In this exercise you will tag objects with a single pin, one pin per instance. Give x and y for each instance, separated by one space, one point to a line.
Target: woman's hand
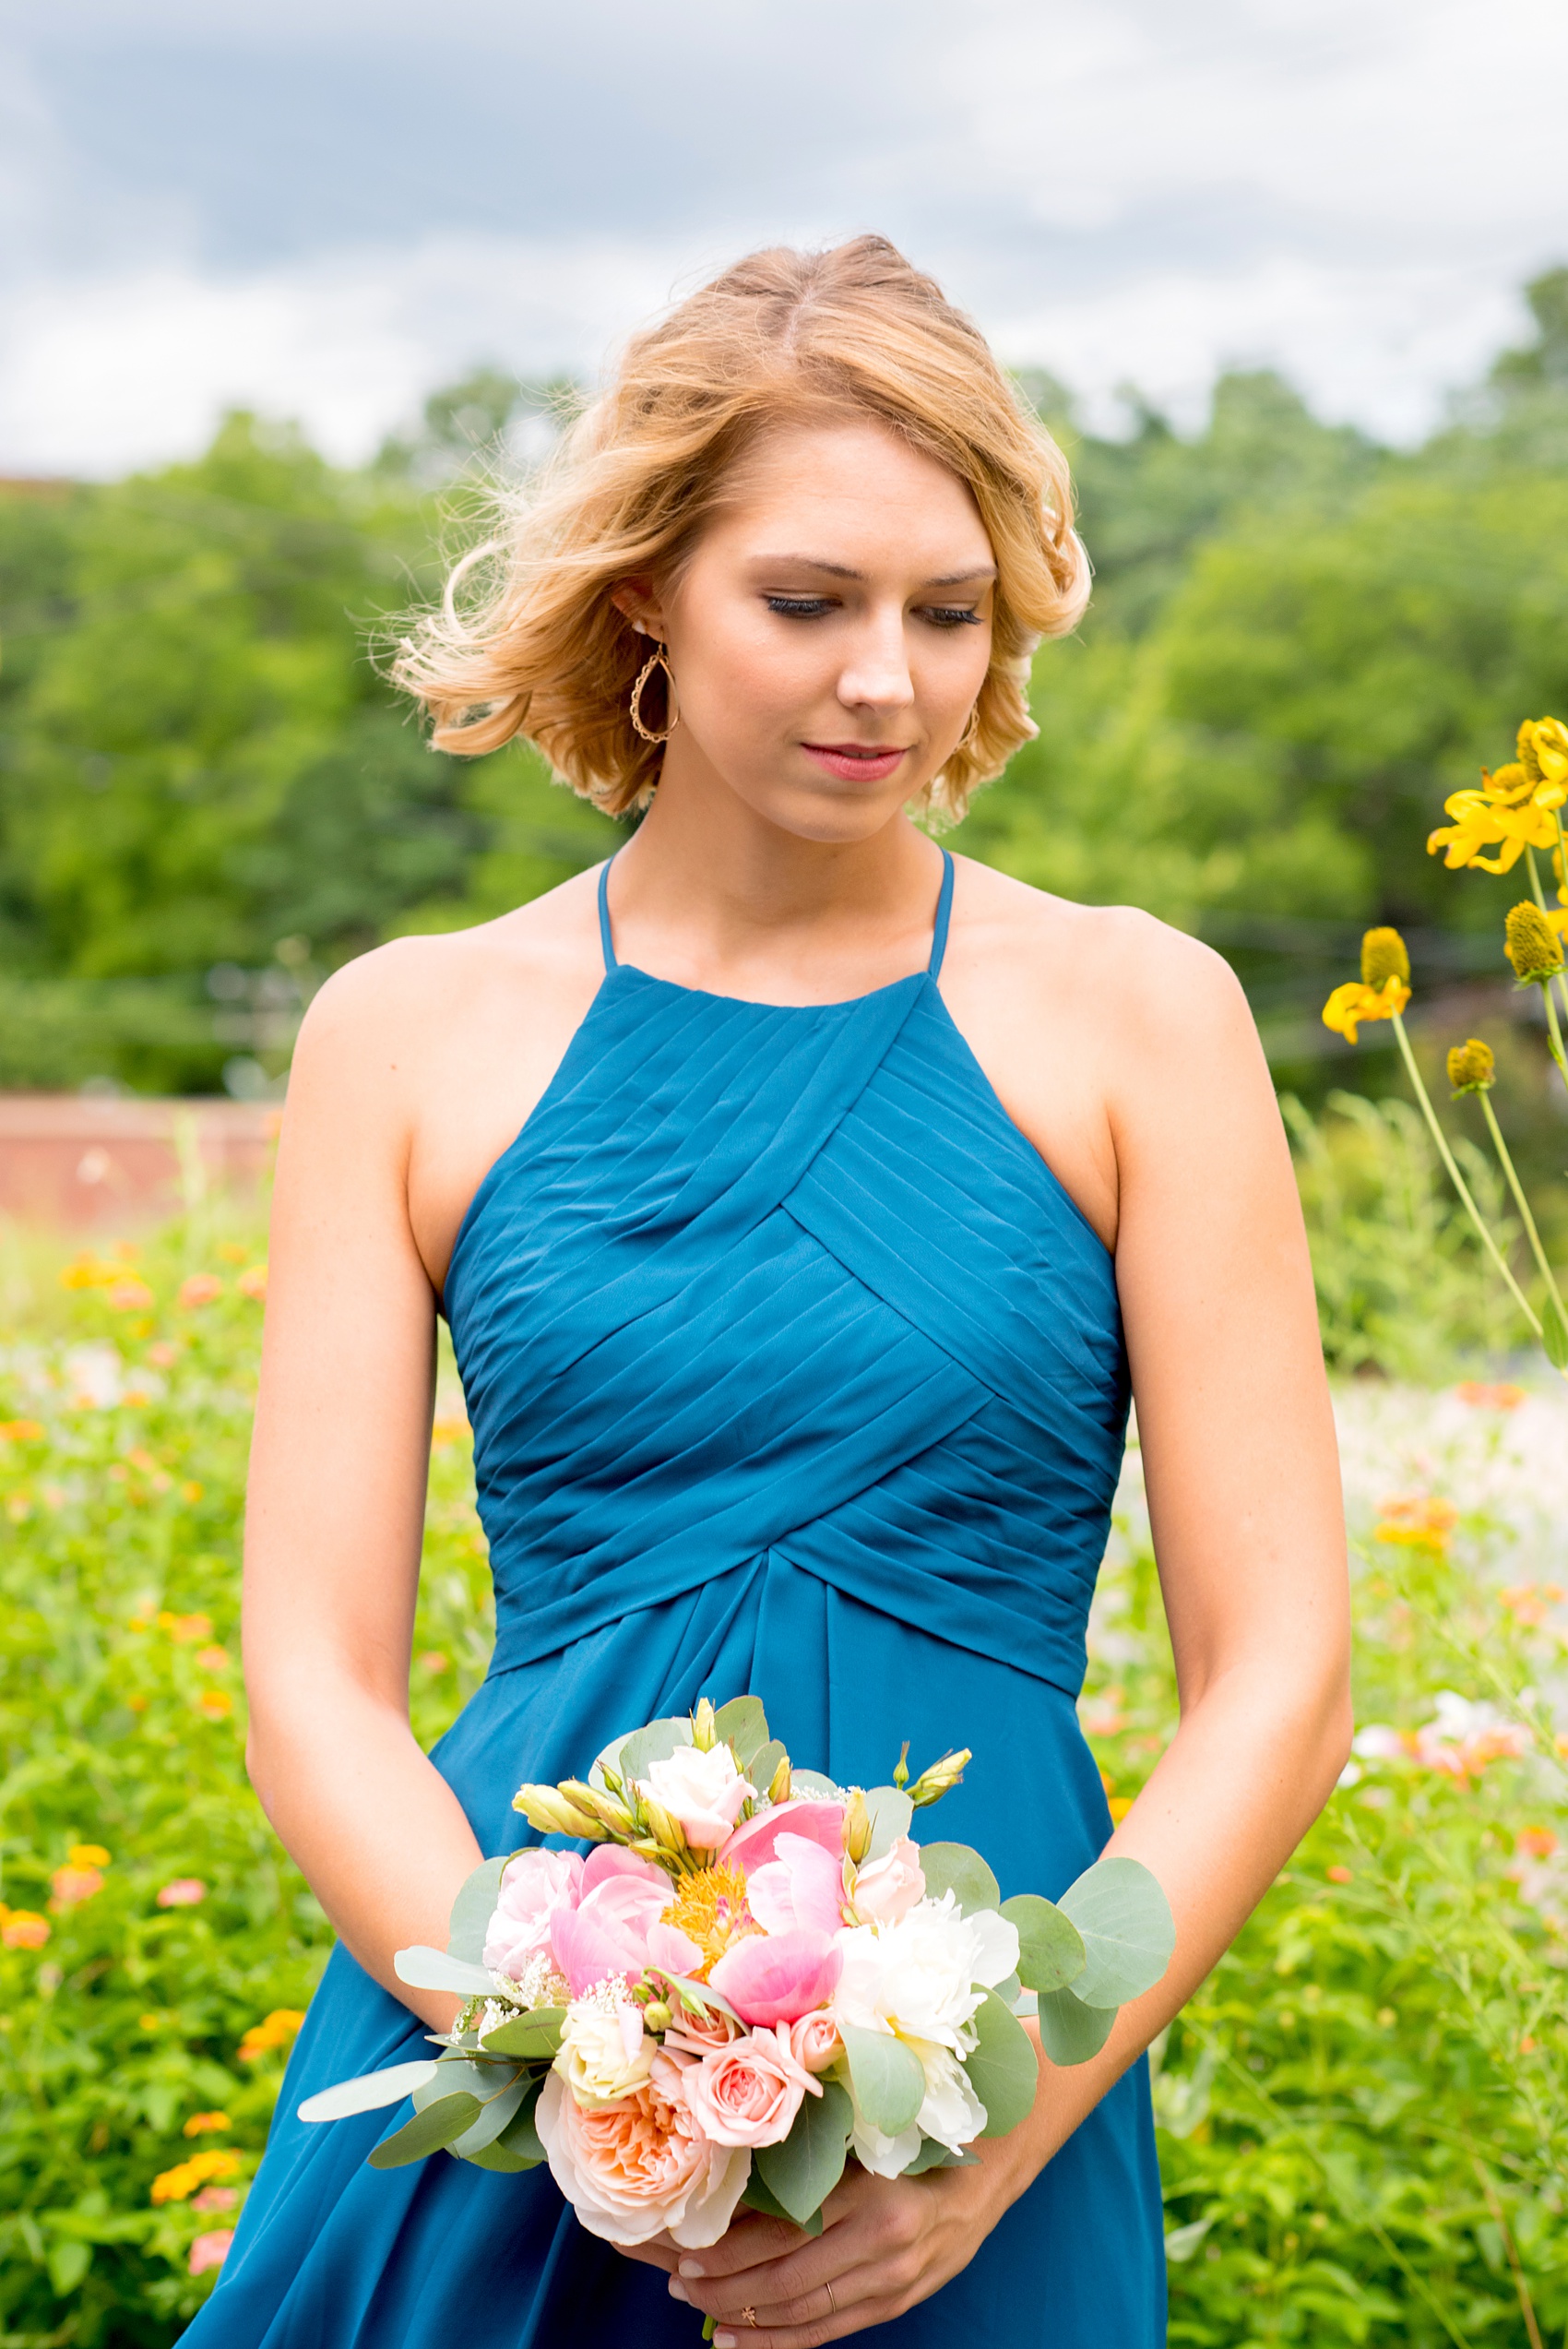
885 2244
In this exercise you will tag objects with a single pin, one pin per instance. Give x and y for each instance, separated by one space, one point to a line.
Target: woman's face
830 632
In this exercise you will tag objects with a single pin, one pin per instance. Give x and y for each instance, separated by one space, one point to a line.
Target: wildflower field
1364 2112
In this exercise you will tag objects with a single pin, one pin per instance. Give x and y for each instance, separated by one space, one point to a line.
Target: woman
799 1198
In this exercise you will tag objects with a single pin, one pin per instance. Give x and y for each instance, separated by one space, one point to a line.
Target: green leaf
536 2036
802 2171
702 1996
467 2075
933 2156
425 1969
891 1811
501 2157
1050 1948
763 1764
495 2116
520 2138
887 2078
426 2133
1554 1333
472 1909
1127 1928
743 1727
954 1867
1002 2067
373 2088
755 2197
1069 2032
68 2262
812 1782
656 1742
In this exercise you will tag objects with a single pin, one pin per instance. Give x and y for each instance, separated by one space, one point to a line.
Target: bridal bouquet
755 1976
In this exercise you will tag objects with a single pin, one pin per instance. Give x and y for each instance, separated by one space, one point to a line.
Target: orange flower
1486 1396
1415 1521
253 1282
206 2124
1339 1873
21 1431
71 1885
129 1295
277 2030
200 1289
433 1662
23 1929
1539 1842
209 2251
185 1630
180 2183
212 1658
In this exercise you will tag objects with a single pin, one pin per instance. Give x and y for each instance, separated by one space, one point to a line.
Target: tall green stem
1471 1209
1539 895
1556 1318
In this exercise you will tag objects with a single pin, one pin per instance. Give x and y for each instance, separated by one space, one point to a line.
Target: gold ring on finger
832 2303
748 2315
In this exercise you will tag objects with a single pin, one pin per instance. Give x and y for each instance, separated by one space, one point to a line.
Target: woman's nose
876 676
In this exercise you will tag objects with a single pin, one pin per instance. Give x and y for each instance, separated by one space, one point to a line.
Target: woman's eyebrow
984 572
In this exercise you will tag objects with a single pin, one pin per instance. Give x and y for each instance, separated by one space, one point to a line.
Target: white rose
605 2053
924 1975
884 2156
704 1791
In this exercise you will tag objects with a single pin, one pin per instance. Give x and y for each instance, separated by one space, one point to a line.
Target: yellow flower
23 1929
88 1855
277 2030
204 2124
1533 943
1543 755
180 2183
1384 956
1508 813
215 1703
1471 1067
1354 1002
711 1907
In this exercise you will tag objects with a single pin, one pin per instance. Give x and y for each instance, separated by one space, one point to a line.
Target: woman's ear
637 600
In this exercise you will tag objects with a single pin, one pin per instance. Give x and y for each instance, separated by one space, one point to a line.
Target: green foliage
122 1460
1363 2111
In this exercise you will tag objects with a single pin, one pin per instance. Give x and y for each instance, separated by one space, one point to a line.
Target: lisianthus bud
609 1809
857 1826
1532 944
664 1827
779 1785
1384 955
546 1808
940 1779
1471 1069
656 2015
704 1734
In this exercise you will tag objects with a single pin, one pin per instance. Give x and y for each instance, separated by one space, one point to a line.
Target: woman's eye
943 615
799 607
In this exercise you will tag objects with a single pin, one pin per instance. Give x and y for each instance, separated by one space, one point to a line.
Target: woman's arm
1244 1485
339 1467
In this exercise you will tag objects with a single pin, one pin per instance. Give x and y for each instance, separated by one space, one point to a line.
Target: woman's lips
851 764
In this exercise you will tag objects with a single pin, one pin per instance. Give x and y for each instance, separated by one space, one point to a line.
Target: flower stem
1539 895
1523 1204
1441 1138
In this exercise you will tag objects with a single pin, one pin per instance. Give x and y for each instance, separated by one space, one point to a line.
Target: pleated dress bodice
759 1278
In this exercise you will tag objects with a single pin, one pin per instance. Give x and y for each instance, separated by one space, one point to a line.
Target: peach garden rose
643 2166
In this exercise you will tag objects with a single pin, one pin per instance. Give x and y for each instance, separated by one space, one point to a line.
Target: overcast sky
325 208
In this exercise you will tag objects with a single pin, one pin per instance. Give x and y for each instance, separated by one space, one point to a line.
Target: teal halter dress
792 1368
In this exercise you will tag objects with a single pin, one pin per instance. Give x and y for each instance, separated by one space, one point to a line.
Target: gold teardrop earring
657 659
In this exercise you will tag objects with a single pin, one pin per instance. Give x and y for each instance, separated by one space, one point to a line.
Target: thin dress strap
943 912
606 941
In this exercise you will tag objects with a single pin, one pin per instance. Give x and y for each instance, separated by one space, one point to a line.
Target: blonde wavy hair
527 641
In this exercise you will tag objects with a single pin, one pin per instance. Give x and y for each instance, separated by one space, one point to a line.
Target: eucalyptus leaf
472 1909
764 1763
1002 2067
1069 2032
1050 1948
462 2075
935 2155
1127 1929
741 1725
535 2037
954 1867
501 2157
425 1969
426 2133
891 1811
655 1743
520 2138
802 2171
813 1784
493 2119
887 2078
371 2090
755 2197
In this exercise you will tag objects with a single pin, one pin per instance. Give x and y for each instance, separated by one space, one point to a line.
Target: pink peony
607 1932
752 1844
635 2169
533 1886
776 1977
210 2250
703 1790
887 1888
814 2042
673 1951
749 2092
801 1885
